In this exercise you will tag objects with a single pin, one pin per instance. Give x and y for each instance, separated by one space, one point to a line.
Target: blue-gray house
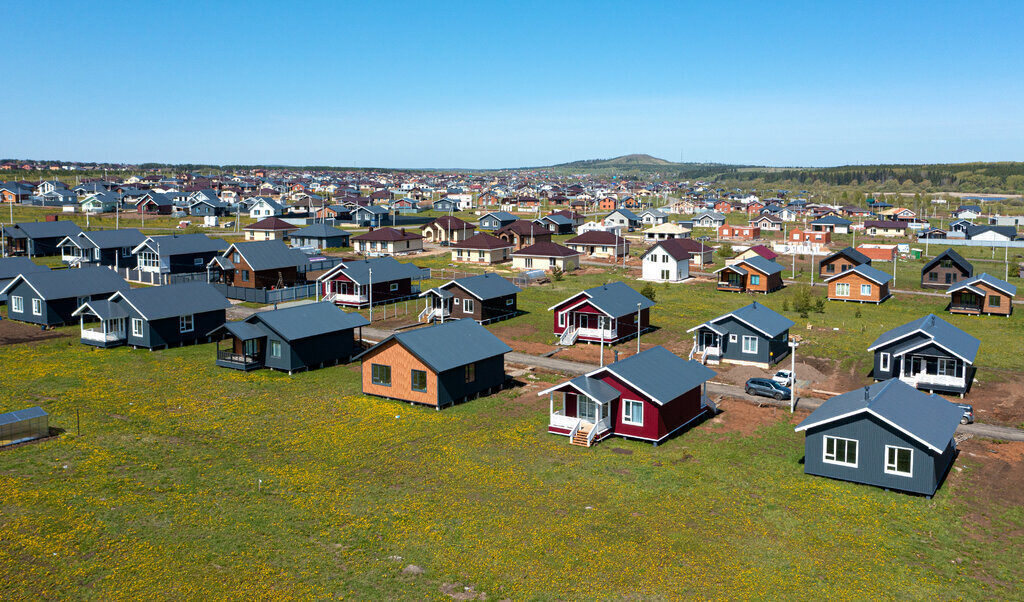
928 353
293 338
753 335
887 435
50 298
153 317
496 220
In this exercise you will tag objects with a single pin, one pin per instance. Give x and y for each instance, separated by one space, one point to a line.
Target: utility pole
600 326
370 286
792 370
638 327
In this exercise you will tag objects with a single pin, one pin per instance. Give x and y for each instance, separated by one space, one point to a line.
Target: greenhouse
23 425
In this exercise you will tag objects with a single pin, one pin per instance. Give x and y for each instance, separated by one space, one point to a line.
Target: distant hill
623 161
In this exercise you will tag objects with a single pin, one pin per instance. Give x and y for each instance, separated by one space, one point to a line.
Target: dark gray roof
555 219
102 309
831 220
183 244
12 266
761 318
626 213
319 231
19 415
485 286
871 273
311 319
595 389
659 373
384 269
940 331
927 418
158 302
57 229
617 299
110 239
1007 231
243 331
765 266
953 256
992 281
65 284
504 216
850 253
268 255
449 345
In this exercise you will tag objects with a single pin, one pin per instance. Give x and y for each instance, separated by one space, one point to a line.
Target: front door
251 347
707 339
587 410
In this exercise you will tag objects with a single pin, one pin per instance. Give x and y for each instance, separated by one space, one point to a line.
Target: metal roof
57 229
182 244
659 373
850 253
617 299
384 269
102 309
64 284
20 415
953 256
765 266
449 345
940 331
171 300
485 286
832 220
871 273
930 419
310 319
598 390
992 281
761 318
320 231
268 255
501 215
110 239
12 266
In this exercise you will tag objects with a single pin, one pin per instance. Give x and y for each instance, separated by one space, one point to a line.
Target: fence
963 242
266 296
156 278
527 278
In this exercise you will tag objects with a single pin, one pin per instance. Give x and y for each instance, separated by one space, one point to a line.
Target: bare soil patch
997 403
12 332
739 416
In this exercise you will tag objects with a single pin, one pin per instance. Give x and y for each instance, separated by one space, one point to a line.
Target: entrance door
587 409
707 339
251 347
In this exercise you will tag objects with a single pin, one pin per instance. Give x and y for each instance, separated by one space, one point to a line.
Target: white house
653 217
666 261
261 207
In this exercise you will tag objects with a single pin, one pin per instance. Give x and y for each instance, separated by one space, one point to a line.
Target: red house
609 313
649 396
808 236
739 232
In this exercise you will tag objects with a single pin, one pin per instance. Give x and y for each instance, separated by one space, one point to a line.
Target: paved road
714 389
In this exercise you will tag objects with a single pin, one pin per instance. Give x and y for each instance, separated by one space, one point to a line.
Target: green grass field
190 481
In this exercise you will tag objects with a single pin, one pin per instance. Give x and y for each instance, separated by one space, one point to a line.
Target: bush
648 291
785 305
725 250
819 305
557 274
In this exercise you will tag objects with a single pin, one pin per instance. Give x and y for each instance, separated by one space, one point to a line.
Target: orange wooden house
861 283
752 274
982 294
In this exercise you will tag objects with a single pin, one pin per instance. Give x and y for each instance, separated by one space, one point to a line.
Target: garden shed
24 425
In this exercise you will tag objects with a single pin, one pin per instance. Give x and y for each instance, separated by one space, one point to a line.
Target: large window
17 304
467 306
749 344
148 260
185 323
993 300
632 411
899 461
37 307
275 348
840 451
419 380
946 367
470 373
380 375
136 327
842 289
755 280
865 290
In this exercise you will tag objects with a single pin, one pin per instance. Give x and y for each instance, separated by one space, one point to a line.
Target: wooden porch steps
580 438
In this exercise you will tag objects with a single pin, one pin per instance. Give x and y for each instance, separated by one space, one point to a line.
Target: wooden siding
985 305
878 292
841 264
402 364
943 277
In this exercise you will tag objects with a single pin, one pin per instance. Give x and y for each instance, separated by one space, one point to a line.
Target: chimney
402 230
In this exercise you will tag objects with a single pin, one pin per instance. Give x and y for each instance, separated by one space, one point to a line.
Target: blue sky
483 85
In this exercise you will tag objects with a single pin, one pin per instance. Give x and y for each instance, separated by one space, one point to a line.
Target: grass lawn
160 497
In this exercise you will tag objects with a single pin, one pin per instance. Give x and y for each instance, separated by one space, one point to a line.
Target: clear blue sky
487 84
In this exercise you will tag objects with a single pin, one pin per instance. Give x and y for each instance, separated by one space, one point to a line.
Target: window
884 361
733 338
749 344
993 300
933 276
946 367
82 301
245 275
470 373
529 262
840 451
842 289
480 254
664 259
510 302
830 268
459 253
185 323
275 348
235 257
899 460
394 287
419 380
664 275
865 290
380 375
136 327
632 411
198 261
552 263
467 306
755 279
561 318
37 307
17 304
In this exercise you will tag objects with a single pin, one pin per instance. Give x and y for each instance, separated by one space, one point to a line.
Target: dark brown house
259 264
523 233
484 298
841 261
947 268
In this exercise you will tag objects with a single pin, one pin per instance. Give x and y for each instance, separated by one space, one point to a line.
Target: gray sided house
928 353
496 220
887 435
947 268
13 266
177 253
50 298
436 365
291 339
753 335
320 236
154 317
102 247
37 239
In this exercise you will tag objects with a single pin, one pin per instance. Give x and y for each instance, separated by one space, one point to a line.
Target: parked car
784 378
766 388
968 417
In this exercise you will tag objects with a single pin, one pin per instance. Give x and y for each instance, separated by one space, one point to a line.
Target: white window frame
629 412
394 287
37 307
884 361
510 301
842 289
17 304
945 367
865 290
197 261
747 338
834 459
561 318
467 306
733 338
136 327
186 323
275 348
891 468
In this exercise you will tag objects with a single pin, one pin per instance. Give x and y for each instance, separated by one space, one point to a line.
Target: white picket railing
569 336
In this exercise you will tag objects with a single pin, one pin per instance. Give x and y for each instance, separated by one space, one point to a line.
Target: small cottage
485 298
861 283
982 294
754 335
946 268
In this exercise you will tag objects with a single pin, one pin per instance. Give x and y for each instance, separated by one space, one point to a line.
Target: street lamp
638 327
792 374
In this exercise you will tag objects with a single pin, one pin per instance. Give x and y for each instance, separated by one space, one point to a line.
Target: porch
932 373
585 416
247 350
591 327
438 305
110 332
